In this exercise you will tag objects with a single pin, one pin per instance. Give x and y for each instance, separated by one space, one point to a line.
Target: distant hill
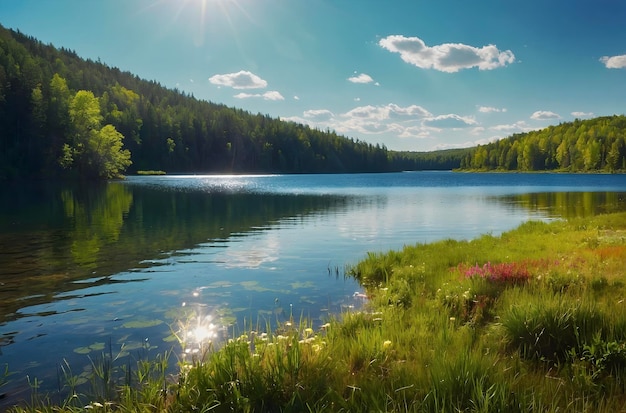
594 145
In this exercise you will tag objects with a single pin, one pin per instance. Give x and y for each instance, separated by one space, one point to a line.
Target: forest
62 116
593 145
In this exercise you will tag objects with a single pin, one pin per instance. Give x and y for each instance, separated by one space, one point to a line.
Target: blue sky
412 75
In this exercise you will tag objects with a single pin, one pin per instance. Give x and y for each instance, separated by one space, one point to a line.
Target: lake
117 268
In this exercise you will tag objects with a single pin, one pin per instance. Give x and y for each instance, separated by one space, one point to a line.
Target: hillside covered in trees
63 116
581 146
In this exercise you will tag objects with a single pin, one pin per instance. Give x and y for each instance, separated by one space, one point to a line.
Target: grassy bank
533 320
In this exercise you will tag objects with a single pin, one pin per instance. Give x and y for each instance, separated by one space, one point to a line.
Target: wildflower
326 325
308 331
386 343
452 318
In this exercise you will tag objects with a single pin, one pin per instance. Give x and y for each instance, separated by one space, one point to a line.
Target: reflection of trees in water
91 232
570 204
97 220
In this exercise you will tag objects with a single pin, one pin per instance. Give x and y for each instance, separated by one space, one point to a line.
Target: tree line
63 116
593 145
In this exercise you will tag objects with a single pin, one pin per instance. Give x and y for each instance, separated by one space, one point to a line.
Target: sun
208 13
203 20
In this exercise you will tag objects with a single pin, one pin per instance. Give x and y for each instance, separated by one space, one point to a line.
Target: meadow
531 320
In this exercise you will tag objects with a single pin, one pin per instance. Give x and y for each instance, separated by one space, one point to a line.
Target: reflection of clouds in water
252 255
380 216
427 213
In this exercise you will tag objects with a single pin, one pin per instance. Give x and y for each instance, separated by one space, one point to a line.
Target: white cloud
477 130
614 62
414 132
582 114
319 115
412 110
519 126
271 95
362 78
490 109
544 115
368 112
240 80
387 112
447 57
450 121
296 98
402 121
393 120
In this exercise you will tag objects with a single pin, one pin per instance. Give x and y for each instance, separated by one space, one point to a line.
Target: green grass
533 320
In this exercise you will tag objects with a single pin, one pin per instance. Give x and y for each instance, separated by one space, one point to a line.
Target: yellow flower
386 343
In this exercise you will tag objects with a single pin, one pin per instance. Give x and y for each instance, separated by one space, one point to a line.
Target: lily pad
142 323
253 286
228 320
171 339
88 349
299 285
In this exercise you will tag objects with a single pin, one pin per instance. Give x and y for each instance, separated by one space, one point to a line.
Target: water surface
116 267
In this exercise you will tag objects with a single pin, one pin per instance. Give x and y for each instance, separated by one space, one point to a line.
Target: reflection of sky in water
267 272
